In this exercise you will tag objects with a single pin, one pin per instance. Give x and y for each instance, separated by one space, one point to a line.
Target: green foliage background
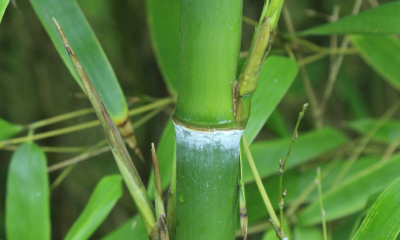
35 84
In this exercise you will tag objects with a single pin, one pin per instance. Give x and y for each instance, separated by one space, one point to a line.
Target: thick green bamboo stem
209 49
207 183
206 132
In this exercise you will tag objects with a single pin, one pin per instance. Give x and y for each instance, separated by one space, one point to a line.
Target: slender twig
147 117
318 109
391 148
334 18
158 104
365 140
324 53
306 81
318 181
373 3
159 202
337 64
51 149
94 151
79 158
299 41
310 187
148 107
282 165
289 51
62 176
120 153
259 183
316 14
60 118
249 21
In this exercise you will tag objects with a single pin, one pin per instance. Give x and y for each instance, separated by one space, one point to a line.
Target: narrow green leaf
295 182
380 20
8 129
120 153
27 196
308 177
101 202
87 49
165 155
354 192
387 133
381 53
276 76
344 228
309 145
131 229
307 233
383 220
270 235
361 215
3 6
353 98
164 31
276 124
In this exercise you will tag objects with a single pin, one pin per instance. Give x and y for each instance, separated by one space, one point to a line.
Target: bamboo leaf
380 20
381 53
92 56
307 233
3 6
353 192
329 180
8 129
277 125
276 76
309 145
387 133
86 47
101 202
270 235
295 183
133 228
164 32
382 221
121 155
27 197
254 203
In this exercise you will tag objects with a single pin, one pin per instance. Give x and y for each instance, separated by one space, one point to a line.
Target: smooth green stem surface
207 183
207 134
209 49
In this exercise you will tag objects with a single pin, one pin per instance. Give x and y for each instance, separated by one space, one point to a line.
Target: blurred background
35 85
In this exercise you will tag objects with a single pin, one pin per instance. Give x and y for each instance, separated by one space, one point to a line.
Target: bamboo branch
121 155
